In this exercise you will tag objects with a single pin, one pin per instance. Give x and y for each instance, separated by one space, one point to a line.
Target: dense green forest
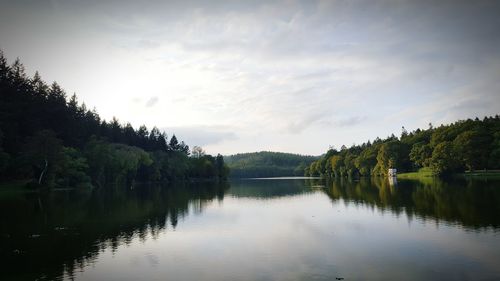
267 164
462 146
57 141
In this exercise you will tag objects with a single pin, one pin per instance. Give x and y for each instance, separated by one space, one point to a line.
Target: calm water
287 229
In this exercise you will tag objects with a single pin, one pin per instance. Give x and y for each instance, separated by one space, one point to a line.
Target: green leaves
444 159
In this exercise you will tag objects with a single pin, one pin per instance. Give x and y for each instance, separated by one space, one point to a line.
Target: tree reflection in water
473 204
46 236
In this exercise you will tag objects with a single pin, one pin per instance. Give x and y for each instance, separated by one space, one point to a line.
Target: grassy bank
482 173
427 173
422 173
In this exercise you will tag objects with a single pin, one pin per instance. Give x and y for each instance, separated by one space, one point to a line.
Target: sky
242 76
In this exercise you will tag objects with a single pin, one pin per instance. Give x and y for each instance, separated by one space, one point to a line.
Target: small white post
392 173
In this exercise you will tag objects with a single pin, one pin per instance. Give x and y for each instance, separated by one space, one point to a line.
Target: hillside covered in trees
267 164
56 141
454 148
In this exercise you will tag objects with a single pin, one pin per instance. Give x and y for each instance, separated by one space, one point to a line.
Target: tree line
465 145
57 141
267 164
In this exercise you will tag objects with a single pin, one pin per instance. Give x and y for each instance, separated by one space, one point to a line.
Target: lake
260 229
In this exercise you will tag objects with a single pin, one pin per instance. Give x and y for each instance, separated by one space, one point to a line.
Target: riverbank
422 173
427 173
482 173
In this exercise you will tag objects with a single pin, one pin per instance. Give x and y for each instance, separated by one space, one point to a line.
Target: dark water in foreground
256 230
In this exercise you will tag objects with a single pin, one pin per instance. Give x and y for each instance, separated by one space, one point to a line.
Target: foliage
42 156
444 158
72 169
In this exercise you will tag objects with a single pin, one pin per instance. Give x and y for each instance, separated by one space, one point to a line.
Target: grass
482 173
422 173
426 173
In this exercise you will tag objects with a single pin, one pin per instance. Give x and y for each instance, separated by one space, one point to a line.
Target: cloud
152 101
349 122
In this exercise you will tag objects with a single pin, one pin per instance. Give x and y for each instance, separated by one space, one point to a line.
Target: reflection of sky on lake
301 237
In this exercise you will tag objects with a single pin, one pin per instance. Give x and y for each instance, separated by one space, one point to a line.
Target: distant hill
268 164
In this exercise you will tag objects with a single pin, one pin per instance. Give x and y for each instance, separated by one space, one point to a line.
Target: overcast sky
240 76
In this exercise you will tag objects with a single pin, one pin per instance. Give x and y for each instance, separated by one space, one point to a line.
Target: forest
465 145
55 141
267 164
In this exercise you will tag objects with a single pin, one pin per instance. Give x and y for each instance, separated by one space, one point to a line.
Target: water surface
287 229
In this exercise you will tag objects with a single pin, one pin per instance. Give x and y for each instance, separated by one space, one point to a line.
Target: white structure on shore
392 173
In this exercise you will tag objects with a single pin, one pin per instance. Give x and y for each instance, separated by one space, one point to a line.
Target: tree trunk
43 171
